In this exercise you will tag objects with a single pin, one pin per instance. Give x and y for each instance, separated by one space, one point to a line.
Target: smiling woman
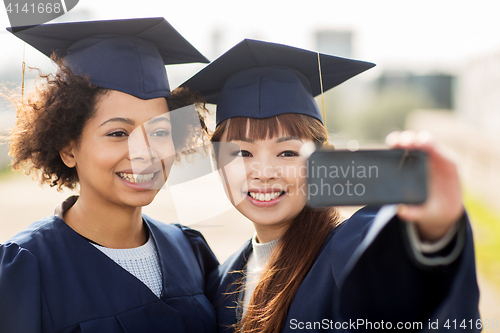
102 161
103 124
270 150
305 268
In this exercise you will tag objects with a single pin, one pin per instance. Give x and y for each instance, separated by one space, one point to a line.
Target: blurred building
335 42
216 42
438 88
472 132
352 96
478 97
368 110
74 15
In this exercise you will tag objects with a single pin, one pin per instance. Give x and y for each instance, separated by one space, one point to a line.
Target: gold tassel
24 67
322 96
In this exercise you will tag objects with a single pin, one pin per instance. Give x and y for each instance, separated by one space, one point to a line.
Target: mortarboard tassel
24 67
322 96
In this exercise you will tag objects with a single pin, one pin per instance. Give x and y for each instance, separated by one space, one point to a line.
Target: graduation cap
259 79
125 55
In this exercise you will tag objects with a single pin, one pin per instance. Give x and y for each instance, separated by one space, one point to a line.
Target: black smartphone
365 177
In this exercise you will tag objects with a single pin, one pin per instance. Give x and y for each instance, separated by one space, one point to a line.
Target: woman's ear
68 156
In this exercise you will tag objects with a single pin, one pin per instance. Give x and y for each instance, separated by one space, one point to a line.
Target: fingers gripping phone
341 178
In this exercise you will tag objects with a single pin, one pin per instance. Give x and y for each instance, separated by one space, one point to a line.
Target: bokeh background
438 69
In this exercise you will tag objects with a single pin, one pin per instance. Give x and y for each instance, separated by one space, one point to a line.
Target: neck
108 225
266 233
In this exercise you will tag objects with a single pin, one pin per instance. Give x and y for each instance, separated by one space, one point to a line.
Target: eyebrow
122 120
288 138
279 140
132 122
157 120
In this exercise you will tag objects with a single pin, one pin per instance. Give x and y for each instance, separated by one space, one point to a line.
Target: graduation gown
366 275
54 280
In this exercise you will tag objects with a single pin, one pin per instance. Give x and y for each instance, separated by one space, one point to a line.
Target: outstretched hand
443 206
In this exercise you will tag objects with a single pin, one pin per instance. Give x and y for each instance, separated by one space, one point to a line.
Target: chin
140 200
265 221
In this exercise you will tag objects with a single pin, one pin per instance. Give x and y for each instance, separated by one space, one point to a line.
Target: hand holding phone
338 178
444 205
428 189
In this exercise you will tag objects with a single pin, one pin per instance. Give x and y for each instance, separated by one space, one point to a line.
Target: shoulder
15 258
19 255
359 222
364 215
237 260
183 238
24 251
229 272
35 234
347 236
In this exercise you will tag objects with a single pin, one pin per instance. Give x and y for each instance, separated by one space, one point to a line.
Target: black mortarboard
124 55
259 79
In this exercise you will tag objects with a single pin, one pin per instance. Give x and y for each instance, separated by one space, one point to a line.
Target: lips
136 178
137 175
268 196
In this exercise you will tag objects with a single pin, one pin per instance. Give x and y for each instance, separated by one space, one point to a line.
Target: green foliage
6 172
486 226
376 116
388 112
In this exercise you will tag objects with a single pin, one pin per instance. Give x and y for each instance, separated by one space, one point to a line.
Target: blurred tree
388 112
368 111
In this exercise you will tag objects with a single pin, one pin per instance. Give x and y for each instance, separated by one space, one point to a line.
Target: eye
161 133
117 134
288 153
242 153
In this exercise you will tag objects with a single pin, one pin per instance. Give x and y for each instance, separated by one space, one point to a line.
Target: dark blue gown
54 280
366 273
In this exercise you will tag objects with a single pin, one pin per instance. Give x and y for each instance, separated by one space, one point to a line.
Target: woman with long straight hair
105 124
305 268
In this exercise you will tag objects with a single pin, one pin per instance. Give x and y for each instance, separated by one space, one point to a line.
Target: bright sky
424 35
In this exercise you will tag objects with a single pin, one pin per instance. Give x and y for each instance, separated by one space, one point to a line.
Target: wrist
433 232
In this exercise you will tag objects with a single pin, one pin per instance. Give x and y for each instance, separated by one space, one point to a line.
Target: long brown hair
301 243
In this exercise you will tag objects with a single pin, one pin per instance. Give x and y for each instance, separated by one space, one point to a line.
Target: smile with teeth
136 178
265 196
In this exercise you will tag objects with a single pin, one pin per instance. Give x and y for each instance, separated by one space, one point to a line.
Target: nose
143 154
264 170
140 149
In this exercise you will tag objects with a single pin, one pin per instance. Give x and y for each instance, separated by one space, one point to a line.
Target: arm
392 278
443 207
22 305
206 258
384 281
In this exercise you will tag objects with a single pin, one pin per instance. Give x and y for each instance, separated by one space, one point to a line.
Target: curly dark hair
55 115
194 132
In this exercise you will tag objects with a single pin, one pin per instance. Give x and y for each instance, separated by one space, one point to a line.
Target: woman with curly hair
98 264
388 268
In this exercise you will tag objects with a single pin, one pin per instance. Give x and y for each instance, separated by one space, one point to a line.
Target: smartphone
365 177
